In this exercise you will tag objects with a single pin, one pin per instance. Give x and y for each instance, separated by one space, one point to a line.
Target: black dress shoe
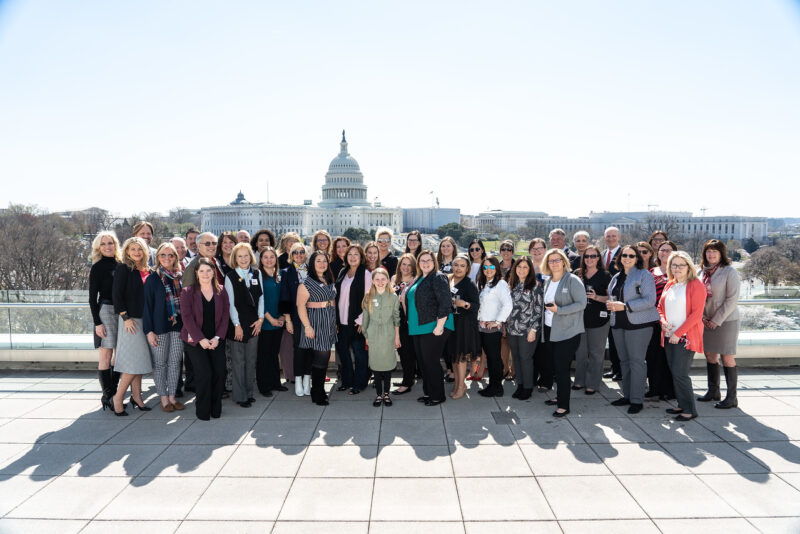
280 388
617 378
449 379
378 401
398 392
577 388
560 414
267 393
423 399
251 400
685 417
486 392
621 402
673 411
551 402
244 404
635 407
342 388
431 402
608 374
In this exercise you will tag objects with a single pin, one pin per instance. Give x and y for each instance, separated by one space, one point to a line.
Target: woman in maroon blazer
205 312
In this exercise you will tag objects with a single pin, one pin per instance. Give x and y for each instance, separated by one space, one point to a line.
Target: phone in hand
549 304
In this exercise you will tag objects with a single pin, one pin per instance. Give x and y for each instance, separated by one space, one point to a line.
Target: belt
326 304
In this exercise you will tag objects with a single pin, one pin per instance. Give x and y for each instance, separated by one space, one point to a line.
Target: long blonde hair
126 258
367 303
96 254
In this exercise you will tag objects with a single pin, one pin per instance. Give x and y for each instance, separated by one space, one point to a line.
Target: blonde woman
162 323
133 353
403 279
246 308
383 236
105 258
285 248
381 328
372 254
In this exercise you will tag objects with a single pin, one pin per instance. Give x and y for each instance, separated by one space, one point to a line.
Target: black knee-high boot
712 369
318 395
106 378
731 377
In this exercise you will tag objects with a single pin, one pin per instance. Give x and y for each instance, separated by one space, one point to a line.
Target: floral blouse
527 310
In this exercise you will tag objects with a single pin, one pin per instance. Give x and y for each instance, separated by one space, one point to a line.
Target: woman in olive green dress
381 327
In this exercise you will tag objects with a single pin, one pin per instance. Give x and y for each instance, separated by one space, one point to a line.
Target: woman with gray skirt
632 298
162 323
523 323
246 300
592 348
681 311
105 258
133 353
721 321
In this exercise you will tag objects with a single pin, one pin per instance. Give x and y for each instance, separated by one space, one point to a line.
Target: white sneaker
298 386
307 384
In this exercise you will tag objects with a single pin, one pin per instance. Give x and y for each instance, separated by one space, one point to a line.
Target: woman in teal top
430 322
268 372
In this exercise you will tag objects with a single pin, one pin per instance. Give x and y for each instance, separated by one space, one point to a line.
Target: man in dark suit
558 239
611 237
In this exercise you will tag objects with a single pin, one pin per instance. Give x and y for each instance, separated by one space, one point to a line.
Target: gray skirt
723 339
133 352
109 319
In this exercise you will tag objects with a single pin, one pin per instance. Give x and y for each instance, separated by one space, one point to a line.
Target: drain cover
506 418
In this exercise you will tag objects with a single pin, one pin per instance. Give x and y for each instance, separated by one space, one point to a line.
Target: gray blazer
571 301
639 293
723 304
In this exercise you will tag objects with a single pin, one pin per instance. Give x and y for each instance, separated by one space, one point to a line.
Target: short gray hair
583 233
558 231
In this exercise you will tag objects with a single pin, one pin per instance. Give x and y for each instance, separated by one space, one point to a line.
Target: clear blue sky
563 107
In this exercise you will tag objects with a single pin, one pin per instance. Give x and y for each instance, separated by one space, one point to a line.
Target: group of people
235 310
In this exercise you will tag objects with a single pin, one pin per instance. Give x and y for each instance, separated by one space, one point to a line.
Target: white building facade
344 205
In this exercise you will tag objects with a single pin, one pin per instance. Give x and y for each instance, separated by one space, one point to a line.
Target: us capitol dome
344 205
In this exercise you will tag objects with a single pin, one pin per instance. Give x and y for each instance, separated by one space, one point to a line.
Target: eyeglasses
425 261
591 256
384 240
678 266
554 260
644 252
209 243
628 255
489 267
506 249
536 248
412 240
476 249
658 240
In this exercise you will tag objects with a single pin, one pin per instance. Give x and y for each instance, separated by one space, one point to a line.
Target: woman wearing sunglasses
291 279
495 307
477 253
383 236
632 298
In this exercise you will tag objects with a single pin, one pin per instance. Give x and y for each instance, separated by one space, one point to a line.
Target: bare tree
771 266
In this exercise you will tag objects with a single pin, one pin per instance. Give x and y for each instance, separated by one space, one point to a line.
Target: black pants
562 354
302 357
382 381
319 366
616 367
209 379
659 377
408 356
543 366
429 352
490 343
268 370
351 348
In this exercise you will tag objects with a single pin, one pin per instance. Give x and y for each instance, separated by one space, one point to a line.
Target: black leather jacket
432 298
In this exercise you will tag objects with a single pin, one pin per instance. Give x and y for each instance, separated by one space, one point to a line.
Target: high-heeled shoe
141 408
123 413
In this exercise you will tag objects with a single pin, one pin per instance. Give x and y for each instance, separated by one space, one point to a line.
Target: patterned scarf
302 272
708 272
172 285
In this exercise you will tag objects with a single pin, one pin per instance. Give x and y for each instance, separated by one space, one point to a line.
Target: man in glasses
611 237
558 240
206 248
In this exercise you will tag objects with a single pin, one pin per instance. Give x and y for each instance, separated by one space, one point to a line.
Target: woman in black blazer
133 354
352 284
430 322
291 278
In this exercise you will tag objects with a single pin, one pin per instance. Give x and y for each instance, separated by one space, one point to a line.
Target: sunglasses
591 256
209 244
489 267
299 252
628 255
506 249
384 240
476 249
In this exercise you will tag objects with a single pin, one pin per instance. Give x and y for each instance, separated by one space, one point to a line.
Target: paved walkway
286 465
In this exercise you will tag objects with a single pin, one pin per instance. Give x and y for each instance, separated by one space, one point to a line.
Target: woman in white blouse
496 306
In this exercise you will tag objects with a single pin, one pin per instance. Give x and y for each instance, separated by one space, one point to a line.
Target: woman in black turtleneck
105 257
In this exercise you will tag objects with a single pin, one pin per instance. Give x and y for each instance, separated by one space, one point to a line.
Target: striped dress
322 320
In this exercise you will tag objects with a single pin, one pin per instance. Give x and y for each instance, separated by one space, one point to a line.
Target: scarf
708 272
172 285
302 272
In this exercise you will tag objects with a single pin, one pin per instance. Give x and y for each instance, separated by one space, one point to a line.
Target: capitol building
344 205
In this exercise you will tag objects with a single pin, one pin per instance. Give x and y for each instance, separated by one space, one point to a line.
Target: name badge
565 290
454 290
253 282
603 314
375 302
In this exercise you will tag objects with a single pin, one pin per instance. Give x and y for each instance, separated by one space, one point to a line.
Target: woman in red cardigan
681 310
